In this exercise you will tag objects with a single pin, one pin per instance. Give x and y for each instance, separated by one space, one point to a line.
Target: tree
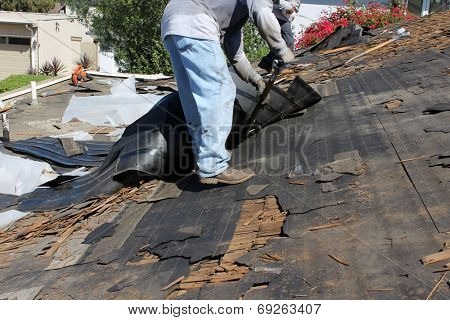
42 6
131 30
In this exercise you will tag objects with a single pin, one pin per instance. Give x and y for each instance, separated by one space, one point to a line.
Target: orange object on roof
80 74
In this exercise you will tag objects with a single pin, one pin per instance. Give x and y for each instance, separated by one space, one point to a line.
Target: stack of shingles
260 221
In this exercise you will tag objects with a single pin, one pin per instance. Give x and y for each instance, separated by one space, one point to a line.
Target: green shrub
254 45
20 80
131 30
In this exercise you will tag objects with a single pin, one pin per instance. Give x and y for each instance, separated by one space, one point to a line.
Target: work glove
287 56
260 86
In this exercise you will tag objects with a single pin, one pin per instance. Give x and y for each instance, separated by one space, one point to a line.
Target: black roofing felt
392 215
157 144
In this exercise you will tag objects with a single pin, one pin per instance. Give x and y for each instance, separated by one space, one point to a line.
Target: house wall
66 40
14 58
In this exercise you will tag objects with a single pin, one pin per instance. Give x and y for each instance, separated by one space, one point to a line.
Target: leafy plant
32 71
86 61
371 16
57 66
254 45
46 68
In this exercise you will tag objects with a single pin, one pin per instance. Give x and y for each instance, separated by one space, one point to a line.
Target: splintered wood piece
442 270
412 159
297 182
436 257
393 104
436 286
270 257
339 260
190 286
325 226
170 285
381 290
66 234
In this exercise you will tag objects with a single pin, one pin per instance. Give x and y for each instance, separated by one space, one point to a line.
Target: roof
30 17
347 201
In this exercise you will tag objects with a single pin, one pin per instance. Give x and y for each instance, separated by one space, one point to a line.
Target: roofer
192 31
283 10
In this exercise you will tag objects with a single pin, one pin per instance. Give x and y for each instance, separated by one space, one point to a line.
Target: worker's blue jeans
207 94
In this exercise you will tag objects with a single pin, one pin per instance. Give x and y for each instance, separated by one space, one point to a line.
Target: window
3 40
19 41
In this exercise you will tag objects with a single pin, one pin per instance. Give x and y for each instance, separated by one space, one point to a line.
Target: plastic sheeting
123 107
20 176
9 217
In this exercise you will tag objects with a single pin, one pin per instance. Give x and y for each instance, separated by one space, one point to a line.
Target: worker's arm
261 12
288 7
234 49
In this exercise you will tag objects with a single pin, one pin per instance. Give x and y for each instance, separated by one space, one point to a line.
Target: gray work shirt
222 20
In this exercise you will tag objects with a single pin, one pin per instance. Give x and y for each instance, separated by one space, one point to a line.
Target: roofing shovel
401 33
250 123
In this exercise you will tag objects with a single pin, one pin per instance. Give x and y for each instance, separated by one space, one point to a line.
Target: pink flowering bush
372 16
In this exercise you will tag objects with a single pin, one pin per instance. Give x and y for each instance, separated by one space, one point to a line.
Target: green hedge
17 81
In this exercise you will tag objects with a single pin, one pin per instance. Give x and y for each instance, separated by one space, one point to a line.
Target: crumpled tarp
21 176
121 108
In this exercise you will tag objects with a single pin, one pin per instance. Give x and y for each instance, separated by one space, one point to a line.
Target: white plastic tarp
9 217
20 176
121 108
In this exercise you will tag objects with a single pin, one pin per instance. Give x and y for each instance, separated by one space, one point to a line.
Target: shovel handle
381 45
278 65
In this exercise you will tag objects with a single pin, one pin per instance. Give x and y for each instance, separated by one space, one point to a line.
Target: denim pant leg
207 93
287 34
184 89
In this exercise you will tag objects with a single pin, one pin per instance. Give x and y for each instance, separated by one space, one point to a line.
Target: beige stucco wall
14 59
62 39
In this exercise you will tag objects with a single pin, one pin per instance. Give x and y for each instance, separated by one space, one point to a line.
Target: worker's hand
287 57
260 87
